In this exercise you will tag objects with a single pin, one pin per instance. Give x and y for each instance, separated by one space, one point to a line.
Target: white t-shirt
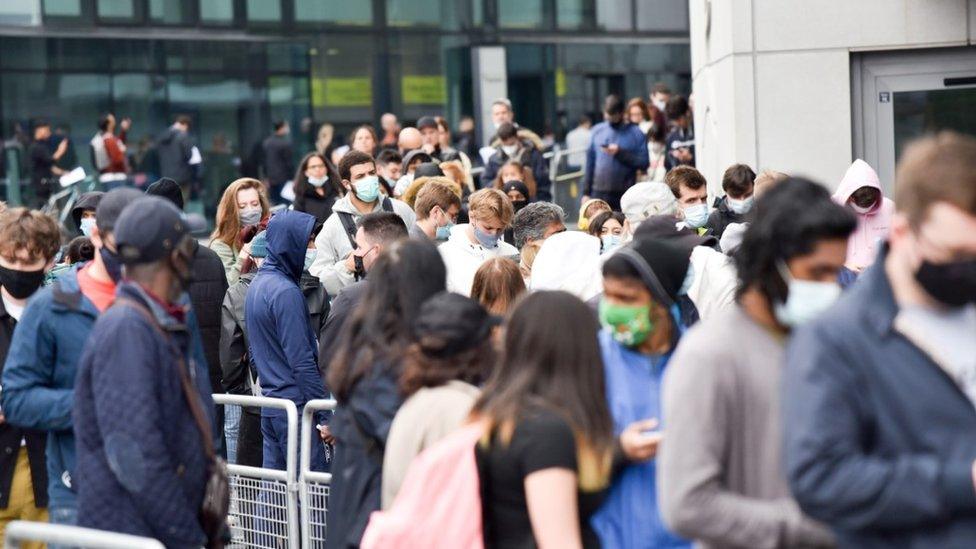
12 308
949 335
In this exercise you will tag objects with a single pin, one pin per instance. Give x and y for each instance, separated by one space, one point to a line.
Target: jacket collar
878 304
166 321
66 294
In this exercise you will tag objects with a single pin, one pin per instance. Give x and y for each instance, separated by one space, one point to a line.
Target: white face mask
510 150
740 205
860 210
696 216
806 299
317 182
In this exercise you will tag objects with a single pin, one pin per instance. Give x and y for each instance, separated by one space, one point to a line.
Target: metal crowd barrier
264 502
313 486
19 531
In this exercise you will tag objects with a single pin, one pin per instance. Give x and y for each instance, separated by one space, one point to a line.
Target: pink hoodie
872 227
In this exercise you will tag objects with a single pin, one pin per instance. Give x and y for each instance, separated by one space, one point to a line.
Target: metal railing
264 502
313 486
19 531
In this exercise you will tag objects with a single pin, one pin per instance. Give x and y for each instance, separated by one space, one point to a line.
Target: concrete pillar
490 81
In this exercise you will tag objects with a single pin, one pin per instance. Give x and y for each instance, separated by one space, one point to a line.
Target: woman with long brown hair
244 202
317 186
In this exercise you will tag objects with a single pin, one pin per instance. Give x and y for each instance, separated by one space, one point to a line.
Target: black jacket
207 295
279 165
722 217
11 436
331 334
174 151
317 206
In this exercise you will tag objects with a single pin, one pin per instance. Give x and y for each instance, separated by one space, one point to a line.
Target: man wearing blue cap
144 417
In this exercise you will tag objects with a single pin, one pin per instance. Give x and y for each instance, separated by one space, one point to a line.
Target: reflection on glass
62 8
264 11
662 15
919 112
116 9
341 12
569 14
20 12
520 14
403 13
217 12
168 12
614 14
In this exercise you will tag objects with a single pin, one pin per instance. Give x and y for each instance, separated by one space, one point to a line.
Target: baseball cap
111 205
643 200
428 169
449 323
148 230
426 122
169 189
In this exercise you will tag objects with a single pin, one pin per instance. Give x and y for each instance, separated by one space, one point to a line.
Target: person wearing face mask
335 264
39 374
860 191
29 241
317 187
690 189
513 147
617 152
244 203
83 212
437 207
879 390
611 228
142 391
513 170
641 327
738 183
470 244
721 466
518 193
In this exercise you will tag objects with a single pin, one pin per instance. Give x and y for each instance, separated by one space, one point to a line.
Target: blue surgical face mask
689 280
696 216
367 189
806 299
610 242
87 225
310 255
486 240
740 205
317 182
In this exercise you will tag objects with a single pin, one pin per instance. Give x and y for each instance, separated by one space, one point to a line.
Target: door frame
877 76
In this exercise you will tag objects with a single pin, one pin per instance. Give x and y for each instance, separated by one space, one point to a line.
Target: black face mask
113 264
953 283
21 284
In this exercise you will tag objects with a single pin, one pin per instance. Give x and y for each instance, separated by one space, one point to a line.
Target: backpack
439 503
349 224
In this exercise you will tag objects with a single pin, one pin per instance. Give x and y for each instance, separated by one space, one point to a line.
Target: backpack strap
349 224
192 398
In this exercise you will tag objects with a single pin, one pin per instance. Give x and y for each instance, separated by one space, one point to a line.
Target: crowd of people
774 367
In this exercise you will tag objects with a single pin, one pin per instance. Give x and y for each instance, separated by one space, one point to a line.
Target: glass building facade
237 65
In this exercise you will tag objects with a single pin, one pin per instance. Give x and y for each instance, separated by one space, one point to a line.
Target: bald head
388 122
410 139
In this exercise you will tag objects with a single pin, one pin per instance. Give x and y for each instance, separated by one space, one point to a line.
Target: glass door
903 95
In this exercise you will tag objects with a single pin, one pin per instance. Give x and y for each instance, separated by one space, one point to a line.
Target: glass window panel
264 11
20 12
614 14
62 8
404 13
116 9
477 13
569 14
217 12
662 15
341 12
287 57
343 82
169 12
917 113
417 81
23 53
520 14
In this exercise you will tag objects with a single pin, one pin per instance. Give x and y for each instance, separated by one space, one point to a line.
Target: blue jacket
142 467
616 173
280 337
879 440
39 375
630 518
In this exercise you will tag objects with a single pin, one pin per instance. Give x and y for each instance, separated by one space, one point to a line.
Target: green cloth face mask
631 325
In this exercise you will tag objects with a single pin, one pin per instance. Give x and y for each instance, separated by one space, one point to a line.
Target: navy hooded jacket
280 336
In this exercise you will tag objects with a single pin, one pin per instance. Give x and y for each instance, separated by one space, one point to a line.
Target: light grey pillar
490 81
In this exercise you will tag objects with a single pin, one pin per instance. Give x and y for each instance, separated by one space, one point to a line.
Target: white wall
771 78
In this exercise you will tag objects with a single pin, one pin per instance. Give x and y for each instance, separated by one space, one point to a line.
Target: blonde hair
228 218
766 180
410 195
491 204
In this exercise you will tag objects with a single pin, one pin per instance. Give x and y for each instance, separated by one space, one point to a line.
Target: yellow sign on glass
342 92
560 83
423 90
